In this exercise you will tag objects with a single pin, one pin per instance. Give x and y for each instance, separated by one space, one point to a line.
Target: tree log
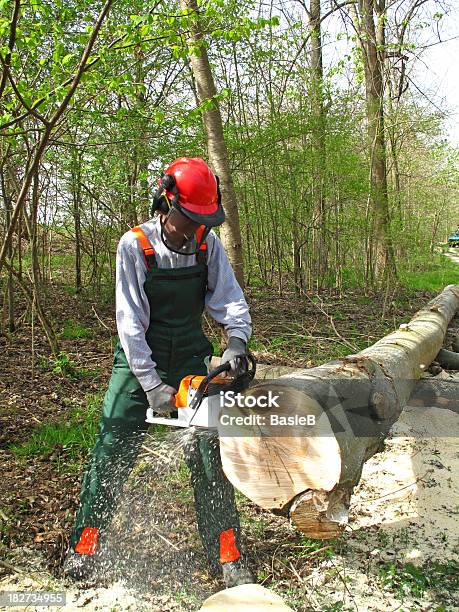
308 473
448 359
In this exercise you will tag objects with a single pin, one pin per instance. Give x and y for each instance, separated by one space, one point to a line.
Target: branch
70 80
303 44
30 110
12 40
42 144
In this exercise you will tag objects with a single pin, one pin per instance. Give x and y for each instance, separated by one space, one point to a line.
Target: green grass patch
431 275
66 441
64 262
180 475
254 526
351 278
176 484
338 606
412 580
307 546
186 595
64 366
74 330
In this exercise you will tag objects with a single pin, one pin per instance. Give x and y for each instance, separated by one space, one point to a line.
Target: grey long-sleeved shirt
224 300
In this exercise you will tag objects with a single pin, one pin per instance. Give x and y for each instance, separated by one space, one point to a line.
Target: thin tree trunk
370 37
76 193
35 269
318 144
218 155
7 199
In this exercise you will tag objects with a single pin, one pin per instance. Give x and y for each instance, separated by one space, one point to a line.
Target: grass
73 330
338 606
308 546
411 580
185 595
68 441
253 526
64 366
432 275
179 476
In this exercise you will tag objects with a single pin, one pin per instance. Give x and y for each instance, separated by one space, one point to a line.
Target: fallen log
308 472
448 359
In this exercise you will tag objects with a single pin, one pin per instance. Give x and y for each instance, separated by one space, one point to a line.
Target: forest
340 182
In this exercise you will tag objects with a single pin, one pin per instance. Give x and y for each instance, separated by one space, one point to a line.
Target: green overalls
179 347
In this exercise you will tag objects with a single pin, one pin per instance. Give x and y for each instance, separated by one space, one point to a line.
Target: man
168 271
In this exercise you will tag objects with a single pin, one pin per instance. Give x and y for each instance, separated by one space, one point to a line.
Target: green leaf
66 59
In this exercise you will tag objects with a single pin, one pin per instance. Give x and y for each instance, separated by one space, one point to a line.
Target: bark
77 201
230 232
309 474
370 38
37 303
9 303
448 359
11 45
318 143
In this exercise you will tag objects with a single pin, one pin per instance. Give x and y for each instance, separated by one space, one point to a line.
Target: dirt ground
404 514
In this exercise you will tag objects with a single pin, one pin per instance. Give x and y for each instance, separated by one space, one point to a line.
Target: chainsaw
198 400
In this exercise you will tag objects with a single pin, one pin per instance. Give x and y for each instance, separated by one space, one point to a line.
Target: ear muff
161 202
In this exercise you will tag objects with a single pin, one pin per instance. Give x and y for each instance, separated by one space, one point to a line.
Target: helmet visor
178 231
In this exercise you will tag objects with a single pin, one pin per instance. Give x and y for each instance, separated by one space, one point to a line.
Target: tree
218 154
372 41
49 122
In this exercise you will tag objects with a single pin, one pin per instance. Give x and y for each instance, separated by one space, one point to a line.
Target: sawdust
403 513
414 484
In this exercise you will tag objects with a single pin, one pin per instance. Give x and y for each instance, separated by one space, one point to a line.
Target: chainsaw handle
224 367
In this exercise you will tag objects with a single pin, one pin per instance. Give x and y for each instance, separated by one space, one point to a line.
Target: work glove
236 346
161 399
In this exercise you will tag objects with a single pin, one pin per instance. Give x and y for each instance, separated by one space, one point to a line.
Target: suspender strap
201 257
148 250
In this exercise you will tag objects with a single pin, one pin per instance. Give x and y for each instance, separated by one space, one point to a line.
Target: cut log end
311 514
272 463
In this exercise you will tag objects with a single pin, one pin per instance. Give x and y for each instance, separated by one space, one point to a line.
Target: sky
441 77
436 71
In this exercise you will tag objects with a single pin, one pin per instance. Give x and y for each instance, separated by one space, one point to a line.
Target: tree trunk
76 195
36 275
218 155
318 144
308 473
9 304
370 38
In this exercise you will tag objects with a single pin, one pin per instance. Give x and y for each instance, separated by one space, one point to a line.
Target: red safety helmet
193 189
